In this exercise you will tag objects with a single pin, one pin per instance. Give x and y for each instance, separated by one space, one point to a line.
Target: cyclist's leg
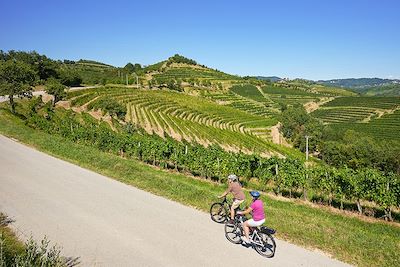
251 223
246 229
236 203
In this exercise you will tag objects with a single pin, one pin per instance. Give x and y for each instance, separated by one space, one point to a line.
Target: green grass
14 253
9 244
346 238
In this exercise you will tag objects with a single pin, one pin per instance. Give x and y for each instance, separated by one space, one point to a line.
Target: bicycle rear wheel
233 233
269 245
218 212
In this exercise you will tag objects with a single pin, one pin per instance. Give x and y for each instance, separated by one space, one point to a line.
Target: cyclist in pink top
257 209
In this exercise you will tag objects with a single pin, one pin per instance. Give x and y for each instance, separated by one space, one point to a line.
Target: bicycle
261 238
220 211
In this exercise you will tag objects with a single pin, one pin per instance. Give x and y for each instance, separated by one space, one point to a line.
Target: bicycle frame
253 236
260 238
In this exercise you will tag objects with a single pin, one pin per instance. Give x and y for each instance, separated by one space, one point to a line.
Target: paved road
108 223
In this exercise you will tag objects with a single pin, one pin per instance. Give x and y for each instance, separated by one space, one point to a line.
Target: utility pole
127 79
306 168
307 147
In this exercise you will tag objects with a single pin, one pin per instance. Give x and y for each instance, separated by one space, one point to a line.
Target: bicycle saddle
267 230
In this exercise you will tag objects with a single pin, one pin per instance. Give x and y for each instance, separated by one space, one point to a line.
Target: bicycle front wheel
218 212
268 245
233 233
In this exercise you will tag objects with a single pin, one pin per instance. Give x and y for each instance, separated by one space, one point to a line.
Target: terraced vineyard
189 118
370 102
346 114
245 104
251 92
290 96
277 90
242 103
376 116
312 87
356 109
386 127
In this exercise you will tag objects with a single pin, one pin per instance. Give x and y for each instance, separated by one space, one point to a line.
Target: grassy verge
14 253
9 243
345 238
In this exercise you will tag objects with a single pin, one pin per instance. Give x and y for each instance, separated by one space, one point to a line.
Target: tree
129 67
180 59
132 68
137 67
297 123
69 77
16 79
43 66
55 88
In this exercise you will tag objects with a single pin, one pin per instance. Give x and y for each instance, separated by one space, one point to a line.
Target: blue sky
307 39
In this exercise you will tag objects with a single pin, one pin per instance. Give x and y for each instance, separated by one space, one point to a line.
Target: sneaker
244 240
245 244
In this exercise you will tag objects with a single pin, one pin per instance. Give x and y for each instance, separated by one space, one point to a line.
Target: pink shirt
258 210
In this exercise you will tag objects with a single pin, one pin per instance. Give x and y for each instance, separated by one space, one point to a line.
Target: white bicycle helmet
232 177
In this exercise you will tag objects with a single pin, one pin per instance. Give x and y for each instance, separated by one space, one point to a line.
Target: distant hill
269 78
367 86
359 82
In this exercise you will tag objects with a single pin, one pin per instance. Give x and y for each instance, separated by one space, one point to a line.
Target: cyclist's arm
247 211
224 194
